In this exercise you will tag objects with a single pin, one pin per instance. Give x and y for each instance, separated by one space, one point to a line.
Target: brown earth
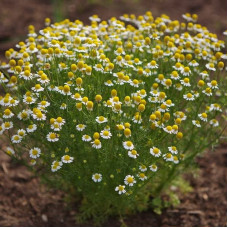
23 202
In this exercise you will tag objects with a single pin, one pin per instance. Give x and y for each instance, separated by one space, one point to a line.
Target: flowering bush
113 111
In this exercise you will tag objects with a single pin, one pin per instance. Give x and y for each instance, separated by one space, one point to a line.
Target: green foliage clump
114 112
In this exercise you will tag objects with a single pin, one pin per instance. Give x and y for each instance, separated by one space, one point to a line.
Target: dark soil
24 202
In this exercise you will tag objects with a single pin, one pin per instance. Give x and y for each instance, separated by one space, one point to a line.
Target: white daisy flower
21 132
7 114
16 139
43 104
96 144
175 75
97 177
216 107
175 160
203 116
24 115
169 103
86 138
31 128
186 71
60 121
29 100
120 189
178 86
152 65
106 134
76 97
9 151
142 176
63 106
133 154
52 137
180 115
80 127
137 119
207 92
213 84
135 83
187 17
142 168
155 151
128 145
185 82
99 68
173 149
108 83
204 74
129 180
2 129
214 123
67 159
153 168
26 75
39 116
101 119
178 66
37 88
168 157
196 123
56 126
159 124
189 97
168 129
153 99
43 79
193 63
35 152
56 165
210 66
155 93
95 18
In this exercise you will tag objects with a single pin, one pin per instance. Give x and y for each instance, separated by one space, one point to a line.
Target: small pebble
44 218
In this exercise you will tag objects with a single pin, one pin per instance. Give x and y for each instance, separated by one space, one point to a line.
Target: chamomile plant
113 111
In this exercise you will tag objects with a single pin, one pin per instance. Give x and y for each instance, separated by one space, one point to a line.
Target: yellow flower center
34 152
52 136
204 115
186 69
156 150
168 155
16 137
121 188
7 112
97 176
214 83
189 95
130 179
106 133
169 128
101 118
129 143
97 142
7 124
67 157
